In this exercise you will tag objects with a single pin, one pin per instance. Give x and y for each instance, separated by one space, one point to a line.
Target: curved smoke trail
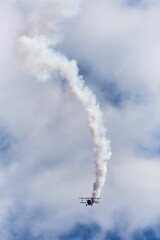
36 49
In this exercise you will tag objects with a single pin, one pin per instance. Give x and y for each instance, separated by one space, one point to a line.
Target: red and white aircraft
89 201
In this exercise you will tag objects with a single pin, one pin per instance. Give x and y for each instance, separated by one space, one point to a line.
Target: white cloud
120 44
50 163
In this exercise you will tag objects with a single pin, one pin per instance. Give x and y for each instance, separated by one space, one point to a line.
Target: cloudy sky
46 149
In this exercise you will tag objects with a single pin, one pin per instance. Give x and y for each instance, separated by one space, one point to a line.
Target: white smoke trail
36 50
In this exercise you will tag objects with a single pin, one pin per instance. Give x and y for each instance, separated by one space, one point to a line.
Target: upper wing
84 200
89 198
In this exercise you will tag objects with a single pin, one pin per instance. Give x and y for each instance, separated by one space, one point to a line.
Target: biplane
89 201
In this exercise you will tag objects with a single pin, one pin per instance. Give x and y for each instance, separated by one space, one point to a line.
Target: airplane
89 201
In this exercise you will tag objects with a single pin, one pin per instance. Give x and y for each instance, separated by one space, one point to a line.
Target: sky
46 148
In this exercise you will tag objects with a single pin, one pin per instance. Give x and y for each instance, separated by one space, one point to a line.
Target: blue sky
46 157
92 230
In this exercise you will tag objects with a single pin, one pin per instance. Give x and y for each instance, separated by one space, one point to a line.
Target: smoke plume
36 48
